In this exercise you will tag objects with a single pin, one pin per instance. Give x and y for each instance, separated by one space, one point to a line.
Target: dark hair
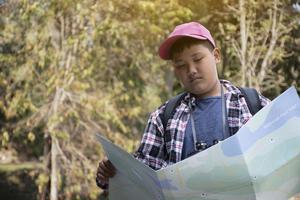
187 42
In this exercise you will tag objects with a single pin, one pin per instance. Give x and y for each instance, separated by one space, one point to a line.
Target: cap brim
164 49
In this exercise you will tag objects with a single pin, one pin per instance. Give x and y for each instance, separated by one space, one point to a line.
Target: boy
211 110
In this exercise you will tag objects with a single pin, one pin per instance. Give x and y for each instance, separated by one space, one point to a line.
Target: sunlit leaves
70 69
31 137
4 138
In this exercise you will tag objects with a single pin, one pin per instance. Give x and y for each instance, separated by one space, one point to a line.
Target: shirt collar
230 89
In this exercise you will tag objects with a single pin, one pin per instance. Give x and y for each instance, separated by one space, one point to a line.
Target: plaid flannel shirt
162 147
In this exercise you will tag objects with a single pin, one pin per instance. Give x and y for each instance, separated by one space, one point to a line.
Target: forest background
71 68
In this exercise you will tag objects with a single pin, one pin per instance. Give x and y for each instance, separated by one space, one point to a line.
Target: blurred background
71 68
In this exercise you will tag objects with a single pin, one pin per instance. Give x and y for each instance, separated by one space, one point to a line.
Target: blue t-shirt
208 125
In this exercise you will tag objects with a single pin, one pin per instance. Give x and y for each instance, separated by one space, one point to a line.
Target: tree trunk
274 36
243 41
53 186
44 192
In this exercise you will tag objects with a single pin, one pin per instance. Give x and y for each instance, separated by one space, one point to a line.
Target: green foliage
4 139
268 42
69 69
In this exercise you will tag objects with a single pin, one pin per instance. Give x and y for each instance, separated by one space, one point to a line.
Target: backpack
250 94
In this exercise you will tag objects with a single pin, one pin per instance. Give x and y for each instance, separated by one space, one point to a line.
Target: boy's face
196 69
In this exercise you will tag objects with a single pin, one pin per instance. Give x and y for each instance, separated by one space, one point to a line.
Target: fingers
105 170
102 178
109 166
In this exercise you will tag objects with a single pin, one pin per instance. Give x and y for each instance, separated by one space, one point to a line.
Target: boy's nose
191 69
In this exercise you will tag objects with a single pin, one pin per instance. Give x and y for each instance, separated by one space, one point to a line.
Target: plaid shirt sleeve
152 148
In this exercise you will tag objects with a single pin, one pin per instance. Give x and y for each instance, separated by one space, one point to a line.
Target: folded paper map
260 162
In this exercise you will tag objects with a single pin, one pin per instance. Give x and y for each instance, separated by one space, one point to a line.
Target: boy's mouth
195 79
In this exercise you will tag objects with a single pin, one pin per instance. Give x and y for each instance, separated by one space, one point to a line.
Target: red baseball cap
191 29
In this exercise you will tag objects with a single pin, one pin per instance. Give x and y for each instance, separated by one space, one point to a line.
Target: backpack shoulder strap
170 108
252 99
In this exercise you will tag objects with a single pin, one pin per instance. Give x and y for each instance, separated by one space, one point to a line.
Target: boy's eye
197 59
179 64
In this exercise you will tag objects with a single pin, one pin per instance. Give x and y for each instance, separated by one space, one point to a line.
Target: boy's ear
217 55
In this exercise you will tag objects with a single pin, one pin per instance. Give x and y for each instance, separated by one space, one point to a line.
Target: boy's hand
105 170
